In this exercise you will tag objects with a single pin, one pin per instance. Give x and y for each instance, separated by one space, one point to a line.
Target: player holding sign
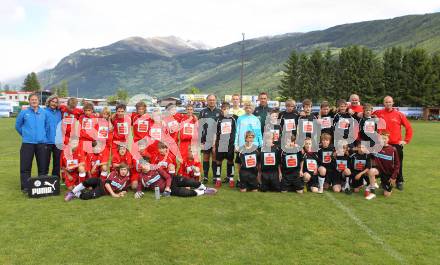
249 164
121 127
343 173
224 143
289 118
291 158
188 134
327 163
343 123
309 168
270 164
140 121
359 164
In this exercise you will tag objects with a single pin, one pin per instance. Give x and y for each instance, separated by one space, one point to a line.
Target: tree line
410 76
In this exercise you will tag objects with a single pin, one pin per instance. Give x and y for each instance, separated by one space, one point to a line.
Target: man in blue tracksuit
32 125
54 119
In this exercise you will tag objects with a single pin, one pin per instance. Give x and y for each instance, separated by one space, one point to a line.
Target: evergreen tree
304 79
316 75
392 74
435 63
289 82
31 83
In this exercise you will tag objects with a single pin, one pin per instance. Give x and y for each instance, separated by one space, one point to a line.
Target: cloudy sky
35 35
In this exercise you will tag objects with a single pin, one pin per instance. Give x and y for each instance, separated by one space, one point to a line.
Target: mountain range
164 66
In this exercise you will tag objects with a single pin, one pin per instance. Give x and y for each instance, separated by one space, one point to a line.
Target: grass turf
229 228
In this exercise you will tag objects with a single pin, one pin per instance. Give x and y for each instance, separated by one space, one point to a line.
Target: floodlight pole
242 68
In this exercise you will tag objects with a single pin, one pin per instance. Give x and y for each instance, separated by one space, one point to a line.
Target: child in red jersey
386 166
190 167
96 165
93 188
172 122
164 159
87 125
70 116
122 156
104 132
73 164
156 133
121 127
141 122
188 134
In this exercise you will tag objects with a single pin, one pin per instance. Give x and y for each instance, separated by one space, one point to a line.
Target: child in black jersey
269 164
343 172
291 158
249 167
327 163
359 164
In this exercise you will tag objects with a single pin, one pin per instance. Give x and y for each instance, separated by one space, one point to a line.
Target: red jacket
394 120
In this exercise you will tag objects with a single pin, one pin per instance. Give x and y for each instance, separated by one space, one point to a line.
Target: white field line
376 238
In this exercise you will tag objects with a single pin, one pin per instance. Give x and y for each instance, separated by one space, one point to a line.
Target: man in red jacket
394 120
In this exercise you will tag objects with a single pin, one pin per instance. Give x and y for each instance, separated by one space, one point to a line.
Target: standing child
291 158
188 134
270 164
386 166
325 118
140 121
105 133
87 125
289 119
249 164
70 115
343 123
121 124
224 143
274 127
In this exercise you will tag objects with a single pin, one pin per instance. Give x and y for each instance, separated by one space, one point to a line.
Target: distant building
170 100
15 96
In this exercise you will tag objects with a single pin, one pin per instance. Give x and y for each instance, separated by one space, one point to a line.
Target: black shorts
248 180
94 189
292 184
208 151
360 182
270 181
313 182
219 156
385 182
334 178
237 158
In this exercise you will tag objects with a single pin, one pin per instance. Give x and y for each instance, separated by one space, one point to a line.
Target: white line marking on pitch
393 253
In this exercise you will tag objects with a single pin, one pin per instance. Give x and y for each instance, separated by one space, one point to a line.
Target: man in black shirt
208 119
262 110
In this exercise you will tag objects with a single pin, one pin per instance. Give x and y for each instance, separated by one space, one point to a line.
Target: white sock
82 174
219 171
232 170
77 190
321 182
199 192
201 187
104 173
347 182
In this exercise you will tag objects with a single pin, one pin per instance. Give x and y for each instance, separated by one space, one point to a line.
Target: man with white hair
355 104
54 118
394 120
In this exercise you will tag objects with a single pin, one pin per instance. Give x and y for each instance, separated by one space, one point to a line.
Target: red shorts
73 182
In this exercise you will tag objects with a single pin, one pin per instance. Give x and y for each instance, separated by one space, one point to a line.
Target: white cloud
74 24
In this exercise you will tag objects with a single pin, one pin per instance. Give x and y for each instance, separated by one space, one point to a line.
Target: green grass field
229 228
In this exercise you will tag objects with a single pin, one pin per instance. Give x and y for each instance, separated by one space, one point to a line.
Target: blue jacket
32 126
54 118
248 123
